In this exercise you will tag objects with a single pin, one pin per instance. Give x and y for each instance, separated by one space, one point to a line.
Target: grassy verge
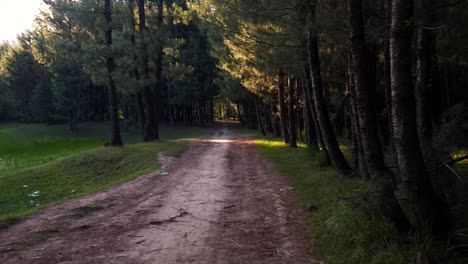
42 165
76 175
341 230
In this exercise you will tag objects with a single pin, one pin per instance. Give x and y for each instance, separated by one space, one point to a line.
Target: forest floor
220 202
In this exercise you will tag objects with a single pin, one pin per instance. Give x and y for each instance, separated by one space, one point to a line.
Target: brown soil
220 203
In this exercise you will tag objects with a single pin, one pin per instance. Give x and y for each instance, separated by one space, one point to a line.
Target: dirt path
220 203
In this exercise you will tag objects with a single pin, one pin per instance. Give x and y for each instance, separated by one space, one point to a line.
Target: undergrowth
341 230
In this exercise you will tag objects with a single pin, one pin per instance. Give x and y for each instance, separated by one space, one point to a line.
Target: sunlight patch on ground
225 141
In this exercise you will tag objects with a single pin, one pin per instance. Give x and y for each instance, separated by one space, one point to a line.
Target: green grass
26 145
61 164
76 175
342 230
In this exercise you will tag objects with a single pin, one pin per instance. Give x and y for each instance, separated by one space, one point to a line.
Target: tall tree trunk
311 135
251 116
431 212
282 105
241 117
212 115
425 61
329 138
299 110
135 74
313 114
140 111
159 68
274 120
201 114
365 92
149 133
360 159
259 116
116 139
387 86
292 113
71 120
268 120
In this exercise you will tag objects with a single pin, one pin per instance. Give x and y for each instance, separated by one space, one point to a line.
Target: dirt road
220 203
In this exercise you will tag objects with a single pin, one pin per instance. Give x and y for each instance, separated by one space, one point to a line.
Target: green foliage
194 69
42 103
21 76
57 72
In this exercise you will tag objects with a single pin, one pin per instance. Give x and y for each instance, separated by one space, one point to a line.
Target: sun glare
16 17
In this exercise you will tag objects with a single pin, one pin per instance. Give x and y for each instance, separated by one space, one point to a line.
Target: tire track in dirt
220 203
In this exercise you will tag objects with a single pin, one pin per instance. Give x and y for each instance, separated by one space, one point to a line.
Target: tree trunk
159 68
360 159
431 212
282 105
329 138
268 120
212 115
135 74
241 117
140 111
365 92
251 119
387 86
299 110
425 61
292 114
259 116
149 133
274 120
116 139
310 99
311 135
71 120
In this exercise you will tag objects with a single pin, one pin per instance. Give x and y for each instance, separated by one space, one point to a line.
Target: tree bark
365 91
116 139
140 111
360 159
259 116
329 138
431 212
311 135
159 77
274 120
299 110
282 105
310 99
425 61
241 117
292 114
268 120
149 133
134 72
